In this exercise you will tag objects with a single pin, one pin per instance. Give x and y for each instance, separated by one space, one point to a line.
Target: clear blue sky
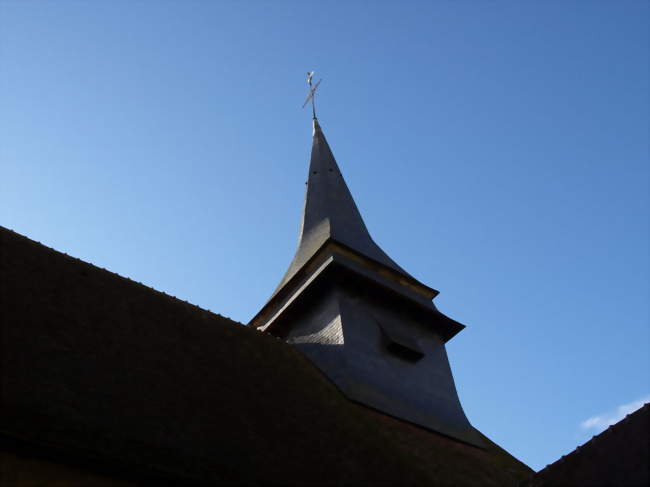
497 150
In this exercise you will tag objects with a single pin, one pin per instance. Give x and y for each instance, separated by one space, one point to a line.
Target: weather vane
312 93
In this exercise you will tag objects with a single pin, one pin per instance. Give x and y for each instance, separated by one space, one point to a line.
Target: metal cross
312 93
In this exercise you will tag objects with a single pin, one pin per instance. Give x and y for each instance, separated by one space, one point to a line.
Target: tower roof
330 213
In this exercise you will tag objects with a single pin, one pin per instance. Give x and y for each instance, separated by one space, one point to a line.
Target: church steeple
358 316
330 212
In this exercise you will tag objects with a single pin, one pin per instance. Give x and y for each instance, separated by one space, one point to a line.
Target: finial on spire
312 93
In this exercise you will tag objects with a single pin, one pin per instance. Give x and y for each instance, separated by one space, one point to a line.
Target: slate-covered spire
370 327
331 213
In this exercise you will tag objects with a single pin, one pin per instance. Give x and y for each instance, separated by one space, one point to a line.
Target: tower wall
381 357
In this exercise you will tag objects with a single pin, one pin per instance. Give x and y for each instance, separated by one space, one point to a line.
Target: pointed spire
330 212
343 299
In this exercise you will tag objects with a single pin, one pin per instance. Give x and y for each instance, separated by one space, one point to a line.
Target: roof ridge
595 438
115 274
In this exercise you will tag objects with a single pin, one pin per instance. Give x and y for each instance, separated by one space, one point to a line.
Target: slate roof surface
619 456
100 371
331 213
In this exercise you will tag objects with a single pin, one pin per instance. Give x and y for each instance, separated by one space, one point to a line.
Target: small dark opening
404 353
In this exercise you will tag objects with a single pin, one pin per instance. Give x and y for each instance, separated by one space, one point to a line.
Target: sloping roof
620 455
331 213
107 372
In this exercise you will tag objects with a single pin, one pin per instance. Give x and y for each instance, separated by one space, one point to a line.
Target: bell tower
367 324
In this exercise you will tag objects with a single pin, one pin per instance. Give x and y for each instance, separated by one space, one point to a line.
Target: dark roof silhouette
111 376
618 456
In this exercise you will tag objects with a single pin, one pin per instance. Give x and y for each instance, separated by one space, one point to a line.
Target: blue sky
497 150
